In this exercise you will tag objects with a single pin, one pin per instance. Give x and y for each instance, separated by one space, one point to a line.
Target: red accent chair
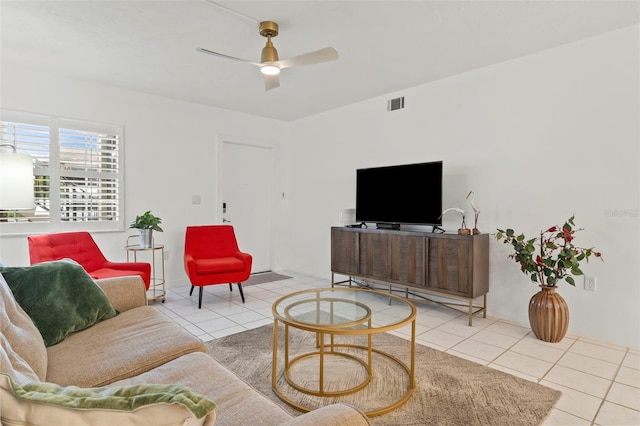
211 256
81 247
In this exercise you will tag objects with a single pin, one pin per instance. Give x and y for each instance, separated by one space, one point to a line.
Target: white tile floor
600 382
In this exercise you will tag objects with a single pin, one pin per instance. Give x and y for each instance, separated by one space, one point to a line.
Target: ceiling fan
270 64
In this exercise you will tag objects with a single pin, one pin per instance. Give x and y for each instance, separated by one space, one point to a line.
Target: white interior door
247 193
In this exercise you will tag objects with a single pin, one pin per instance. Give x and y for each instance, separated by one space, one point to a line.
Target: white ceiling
384 46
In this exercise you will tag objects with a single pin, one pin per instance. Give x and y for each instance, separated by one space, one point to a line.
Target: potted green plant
146 223
547 260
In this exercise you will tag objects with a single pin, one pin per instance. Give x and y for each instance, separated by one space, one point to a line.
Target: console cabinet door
374 255
448 265
408 259
344 251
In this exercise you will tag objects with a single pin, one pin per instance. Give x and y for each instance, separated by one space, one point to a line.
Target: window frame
55 222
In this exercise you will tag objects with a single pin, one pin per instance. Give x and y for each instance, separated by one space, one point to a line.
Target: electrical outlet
166 255
590 283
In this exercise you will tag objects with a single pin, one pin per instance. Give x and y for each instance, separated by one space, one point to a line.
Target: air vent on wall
394 104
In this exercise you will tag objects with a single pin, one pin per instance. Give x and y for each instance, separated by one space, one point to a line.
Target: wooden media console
450 266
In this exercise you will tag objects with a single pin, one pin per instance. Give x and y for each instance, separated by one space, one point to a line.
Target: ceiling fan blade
271 82
323 55
221 55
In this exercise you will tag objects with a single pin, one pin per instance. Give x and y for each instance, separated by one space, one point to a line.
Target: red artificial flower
568 235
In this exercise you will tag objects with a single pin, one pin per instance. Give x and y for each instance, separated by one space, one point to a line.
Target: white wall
538 139
170 154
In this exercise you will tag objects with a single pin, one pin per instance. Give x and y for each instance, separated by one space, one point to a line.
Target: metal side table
157 282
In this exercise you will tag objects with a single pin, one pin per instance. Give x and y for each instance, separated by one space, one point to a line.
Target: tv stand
448 266
387 225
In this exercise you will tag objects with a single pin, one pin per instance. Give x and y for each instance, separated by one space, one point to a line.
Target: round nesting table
334 312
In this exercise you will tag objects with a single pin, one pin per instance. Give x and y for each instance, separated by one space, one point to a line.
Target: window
77 169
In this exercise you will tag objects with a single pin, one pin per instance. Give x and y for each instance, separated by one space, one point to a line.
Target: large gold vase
548 315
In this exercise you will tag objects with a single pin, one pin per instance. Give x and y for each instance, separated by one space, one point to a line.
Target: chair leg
241 293
201 291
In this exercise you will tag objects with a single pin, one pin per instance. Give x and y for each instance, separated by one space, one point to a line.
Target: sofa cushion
124 293
22 352
60 297
11 363
131 343
237 402
149 404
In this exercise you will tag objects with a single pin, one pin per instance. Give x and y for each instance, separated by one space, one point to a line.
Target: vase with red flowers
548 260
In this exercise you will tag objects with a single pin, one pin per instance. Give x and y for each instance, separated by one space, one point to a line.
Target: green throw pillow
59 296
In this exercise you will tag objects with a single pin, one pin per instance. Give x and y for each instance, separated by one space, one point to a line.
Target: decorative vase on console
547 260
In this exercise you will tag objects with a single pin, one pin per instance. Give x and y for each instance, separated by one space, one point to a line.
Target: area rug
264 277
448 390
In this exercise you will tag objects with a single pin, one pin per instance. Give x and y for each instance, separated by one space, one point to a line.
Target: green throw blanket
123 398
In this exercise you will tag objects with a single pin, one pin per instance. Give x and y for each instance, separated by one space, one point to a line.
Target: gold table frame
156 288
359 325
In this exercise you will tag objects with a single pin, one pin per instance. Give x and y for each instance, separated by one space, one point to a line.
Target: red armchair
211 256
81 247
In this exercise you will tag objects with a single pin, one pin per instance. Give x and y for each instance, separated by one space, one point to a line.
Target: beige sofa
139 346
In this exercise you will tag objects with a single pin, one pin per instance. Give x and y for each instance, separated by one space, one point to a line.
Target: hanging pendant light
16 180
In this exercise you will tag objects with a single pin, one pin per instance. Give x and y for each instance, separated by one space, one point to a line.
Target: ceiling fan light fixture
269 53
270 70
270 64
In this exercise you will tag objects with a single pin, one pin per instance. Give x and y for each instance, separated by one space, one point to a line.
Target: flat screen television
400 194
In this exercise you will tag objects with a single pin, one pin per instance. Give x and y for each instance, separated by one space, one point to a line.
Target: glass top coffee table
329 314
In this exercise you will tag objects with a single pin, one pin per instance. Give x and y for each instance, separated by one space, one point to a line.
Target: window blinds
77 168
